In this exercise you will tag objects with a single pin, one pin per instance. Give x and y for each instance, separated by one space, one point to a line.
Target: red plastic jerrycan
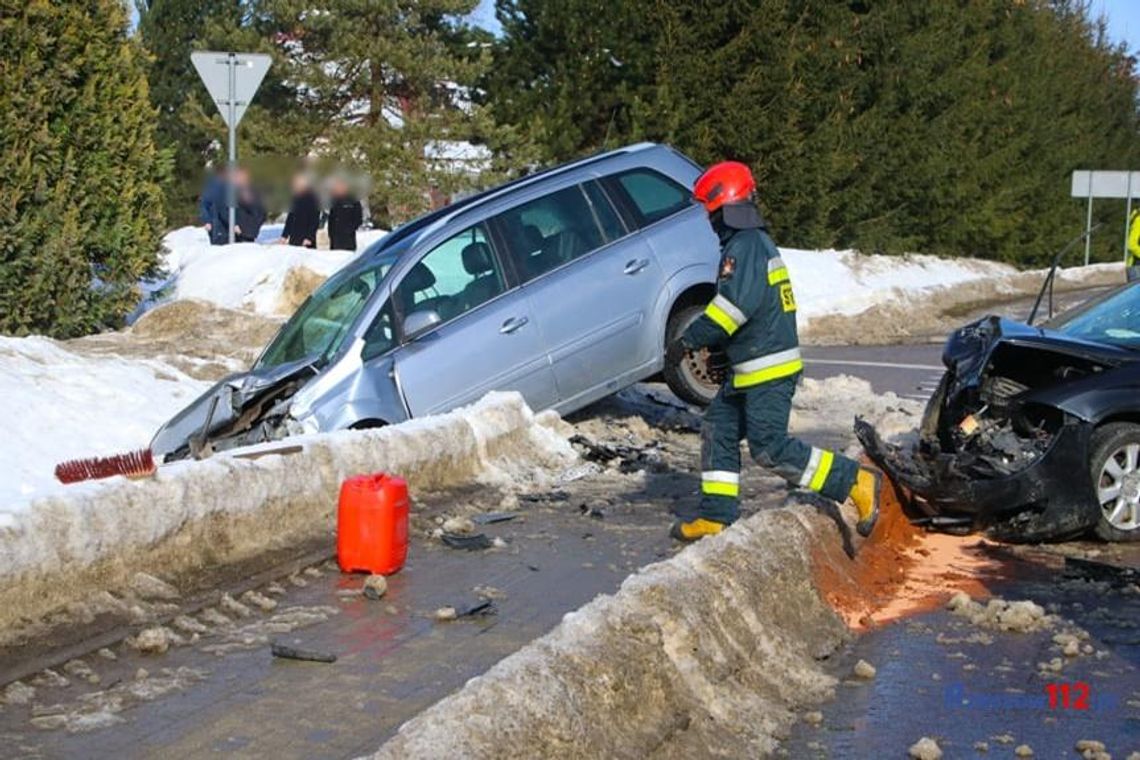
372 524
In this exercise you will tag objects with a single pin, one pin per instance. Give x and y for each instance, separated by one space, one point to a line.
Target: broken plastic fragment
476 542
293 653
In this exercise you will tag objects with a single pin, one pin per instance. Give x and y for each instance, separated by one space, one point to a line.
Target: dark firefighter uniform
753 318
752 321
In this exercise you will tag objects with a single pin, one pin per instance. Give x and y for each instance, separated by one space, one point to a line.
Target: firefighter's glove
717 363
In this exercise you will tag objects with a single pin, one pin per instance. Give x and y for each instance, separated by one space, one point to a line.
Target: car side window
654 195
605 215
453 278
552 230
380 335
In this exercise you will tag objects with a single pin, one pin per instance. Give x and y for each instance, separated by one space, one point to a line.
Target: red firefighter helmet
726 182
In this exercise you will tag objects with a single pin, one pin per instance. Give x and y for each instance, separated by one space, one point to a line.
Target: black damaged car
1034 432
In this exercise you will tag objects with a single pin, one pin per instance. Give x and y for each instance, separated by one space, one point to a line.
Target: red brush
136 464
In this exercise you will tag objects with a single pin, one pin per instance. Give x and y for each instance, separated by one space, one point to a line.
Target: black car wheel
687 373
1115 468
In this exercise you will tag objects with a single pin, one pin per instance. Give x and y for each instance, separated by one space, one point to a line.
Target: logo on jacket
727 267
787 299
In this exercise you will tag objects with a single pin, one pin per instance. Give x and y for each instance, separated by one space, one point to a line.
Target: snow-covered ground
244 275
59 405
846 282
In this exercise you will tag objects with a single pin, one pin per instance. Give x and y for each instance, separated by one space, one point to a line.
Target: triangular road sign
248 71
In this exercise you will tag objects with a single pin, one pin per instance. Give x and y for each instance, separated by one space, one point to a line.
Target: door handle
512 324
633 266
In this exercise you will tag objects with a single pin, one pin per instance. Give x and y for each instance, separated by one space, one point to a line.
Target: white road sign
1105 184
231 79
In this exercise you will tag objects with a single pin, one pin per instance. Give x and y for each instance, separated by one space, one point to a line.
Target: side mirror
419 322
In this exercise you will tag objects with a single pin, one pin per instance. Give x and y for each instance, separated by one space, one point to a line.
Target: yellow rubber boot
695 529
866 493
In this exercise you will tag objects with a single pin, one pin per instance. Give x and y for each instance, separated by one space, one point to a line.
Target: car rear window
654 196
555 229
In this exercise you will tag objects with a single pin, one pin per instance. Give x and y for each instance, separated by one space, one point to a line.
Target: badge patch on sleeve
727 267
787 298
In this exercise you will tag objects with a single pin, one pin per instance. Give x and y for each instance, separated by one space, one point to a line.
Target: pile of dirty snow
728 633
253 276
60 405
96 536
847 282
849 297
820 404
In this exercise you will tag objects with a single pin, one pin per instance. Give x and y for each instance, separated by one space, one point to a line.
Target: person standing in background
345 217
1132 267
212 210
304 215
250 214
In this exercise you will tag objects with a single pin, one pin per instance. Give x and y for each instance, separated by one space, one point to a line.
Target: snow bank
846 282
845 297
95 536
705 654
245 275
59 405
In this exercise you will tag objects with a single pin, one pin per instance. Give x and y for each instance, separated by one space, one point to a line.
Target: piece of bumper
1057 480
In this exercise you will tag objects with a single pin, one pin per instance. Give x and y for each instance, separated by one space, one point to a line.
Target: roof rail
441 216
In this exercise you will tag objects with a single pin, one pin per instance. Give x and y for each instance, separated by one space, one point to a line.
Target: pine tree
948 126
80 205
391 85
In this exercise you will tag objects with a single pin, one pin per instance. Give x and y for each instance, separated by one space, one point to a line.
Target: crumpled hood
233 393
969 349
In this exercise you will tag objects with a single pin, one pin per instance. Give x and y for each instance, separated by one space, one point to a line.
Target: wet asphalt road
910 371
983 693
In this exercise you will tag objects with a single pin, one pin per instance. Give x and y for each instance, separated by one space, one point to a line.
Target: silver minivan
565 286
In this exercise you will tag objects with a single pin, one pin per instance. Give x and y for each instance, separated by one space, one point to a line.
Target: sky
1123 19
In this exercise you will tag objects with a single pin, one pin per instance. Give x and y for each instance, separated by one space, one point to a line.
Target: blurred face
241 177
300 184
339 187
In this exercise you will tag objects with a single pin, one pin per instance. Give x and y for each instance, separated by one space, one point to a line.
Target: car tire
686 374
1117 442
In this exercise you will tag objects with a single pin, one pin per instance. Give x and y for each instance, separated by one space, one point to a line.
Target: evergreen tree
390 83
80 205
948 126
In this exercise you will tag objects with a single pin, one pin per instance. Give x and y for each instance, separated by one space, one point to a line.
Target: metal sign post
1104 184
232 80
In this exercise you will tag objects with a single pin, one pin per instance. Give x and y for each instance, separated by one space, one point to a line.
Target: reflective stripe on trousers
817 470
764 369
720 483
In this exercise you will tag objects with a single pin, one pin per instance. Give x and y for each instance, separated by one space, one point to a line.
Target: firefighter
1133 265
751 324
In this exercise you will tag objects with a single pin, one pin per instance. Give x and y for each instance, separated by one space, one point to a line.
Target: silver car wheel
1118 487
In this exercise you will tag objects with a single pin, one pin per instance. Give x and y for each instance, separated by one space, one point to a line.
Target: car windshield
1113 318
319 327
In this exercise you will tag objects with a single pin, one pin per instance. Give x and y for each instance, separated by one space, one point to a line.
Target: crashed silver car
565 286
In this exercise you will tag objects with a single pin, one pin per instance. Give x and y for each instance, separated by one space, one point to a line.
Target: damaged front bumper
1000 444
944 496
241 410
